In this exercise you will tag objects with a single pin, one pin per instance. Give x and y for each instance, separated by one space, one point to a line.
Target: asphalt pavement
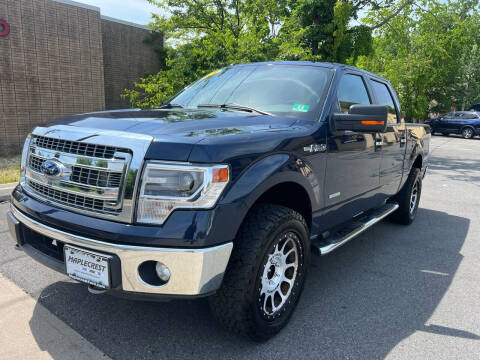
395 292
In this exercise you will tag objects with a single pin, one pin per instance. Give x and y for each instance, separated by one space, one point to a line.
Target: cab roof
328 65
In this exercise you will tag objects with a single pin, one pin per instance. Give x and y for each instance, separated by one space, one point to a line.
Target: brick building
59 57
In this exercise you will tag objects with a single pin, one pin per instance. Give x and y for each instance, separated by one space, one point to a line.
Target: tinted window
447 116
469 116
352 91
385 98
287 90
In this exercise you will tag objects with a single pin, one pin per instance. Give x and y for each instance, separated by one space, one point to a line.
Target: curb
6 191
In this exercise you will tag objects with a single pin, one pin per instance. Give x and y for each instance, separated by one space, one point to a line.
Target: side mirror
362 118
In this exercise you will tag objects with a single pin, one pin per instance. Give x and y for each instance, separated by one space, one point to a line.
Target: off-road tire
405 214
237 305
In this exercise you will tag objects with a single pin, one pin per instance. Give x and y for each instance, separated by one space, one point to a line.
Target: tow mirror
362 118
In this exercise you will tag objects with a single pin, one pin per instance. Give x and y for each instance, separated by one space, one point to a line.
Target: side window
447 116
456 116
470 116
385 98
352 91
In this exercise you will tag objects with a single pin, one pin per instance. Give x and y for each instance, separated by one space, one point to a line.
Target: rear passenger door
393 141
454 122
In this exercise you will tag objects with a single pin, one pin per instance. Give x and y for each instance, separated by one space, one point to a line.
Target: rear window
469 116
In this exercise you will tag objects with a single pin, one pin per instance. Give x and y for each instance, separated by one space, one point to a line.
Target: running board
351 230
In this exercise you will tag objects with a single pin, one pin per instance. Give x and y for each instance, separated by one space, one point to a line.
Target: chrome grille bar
76 147
70 199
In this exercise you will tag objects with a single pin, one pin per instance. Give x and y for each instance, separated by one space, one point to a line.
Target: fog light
162 271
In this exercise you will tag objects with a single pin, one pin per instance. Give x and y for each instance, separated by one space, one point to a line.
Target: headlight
167 187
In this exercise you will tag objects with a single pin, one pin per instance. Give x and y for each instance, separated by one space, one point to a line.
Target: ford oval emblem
52 168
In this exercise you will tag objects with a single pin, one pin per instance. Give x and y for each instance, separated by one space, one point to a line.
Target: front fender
265 174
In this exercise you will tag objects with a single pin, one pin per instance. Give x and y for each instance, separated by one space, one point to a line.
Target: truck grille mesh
96 178
76 147
70 199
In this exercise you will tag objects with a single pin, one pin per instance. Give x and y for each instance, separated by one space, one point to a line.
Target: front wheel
467 133
408 199
266 273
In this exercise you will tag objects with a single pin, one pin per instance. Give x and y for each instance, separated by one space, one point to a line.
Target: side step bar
351 230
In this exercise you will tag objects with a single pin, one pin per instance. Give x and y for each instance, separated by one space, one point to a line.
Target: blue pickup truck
224 191
465 123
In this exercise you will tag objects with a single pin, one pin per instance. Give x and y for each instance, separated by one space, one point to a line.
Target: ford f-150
223 191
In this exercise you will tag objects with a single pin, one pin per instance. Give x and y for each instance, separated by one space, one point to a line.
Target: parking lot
394 292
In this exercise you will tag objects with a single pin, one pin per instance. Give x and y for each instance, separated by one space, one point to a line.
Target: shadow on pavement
460 169
359 302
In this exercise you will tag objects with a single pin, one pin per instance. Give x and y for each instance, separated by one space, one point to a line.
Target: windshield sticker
301 107
211 74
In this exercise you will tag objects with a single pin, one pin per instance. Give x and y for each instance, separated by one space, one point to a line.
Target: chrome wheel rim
279 275
467 133
414 197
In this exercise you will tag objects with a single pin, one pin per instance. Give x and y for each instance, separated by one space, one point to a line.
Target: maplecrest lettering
88 264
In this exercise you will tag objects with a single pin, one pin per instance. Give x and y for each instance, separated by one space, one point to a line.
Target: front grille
97 178
35 163
76 147
93 173
70 199
84 175
44 244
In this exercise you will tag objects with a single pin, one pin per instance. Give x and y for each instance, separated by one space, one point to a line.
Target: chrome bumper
193 271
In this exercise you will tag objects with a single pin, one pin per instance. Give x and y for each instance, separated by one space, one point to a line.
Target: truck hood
176 132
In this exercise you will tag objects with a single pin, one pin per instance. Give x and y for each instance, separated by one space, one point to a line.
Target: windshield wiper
234 107
171 106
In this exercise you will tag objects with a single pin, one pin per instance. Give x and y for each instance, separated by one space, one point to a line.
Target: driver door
353 161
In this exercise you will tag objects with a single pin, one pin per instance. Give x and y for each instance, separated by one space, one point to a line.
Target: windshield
287 90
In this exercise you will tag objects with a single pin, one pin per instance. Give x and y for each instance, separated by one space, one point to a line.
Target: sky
137 11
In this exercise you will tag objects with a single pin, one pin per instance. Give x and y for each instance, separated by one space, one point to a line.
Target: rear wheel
265 275
408 199
468 133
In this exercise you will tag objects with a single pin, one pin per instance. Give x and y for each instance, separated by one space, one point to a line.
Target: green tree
430 53
204 35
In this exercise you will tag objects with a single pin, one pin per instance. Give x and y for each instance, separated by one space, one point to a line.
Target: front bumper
194 272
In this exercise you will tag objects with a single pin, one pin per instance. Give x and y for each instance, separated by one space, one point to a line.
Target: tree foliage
428 49
204 35
430 53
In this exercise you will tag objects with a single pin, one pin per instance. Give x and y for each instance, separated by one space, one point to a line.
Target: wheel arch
280 179
470 127
418 162
289 194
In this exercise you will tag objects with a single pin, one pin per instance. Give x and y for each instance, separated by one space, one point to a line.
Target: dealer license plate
87 266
